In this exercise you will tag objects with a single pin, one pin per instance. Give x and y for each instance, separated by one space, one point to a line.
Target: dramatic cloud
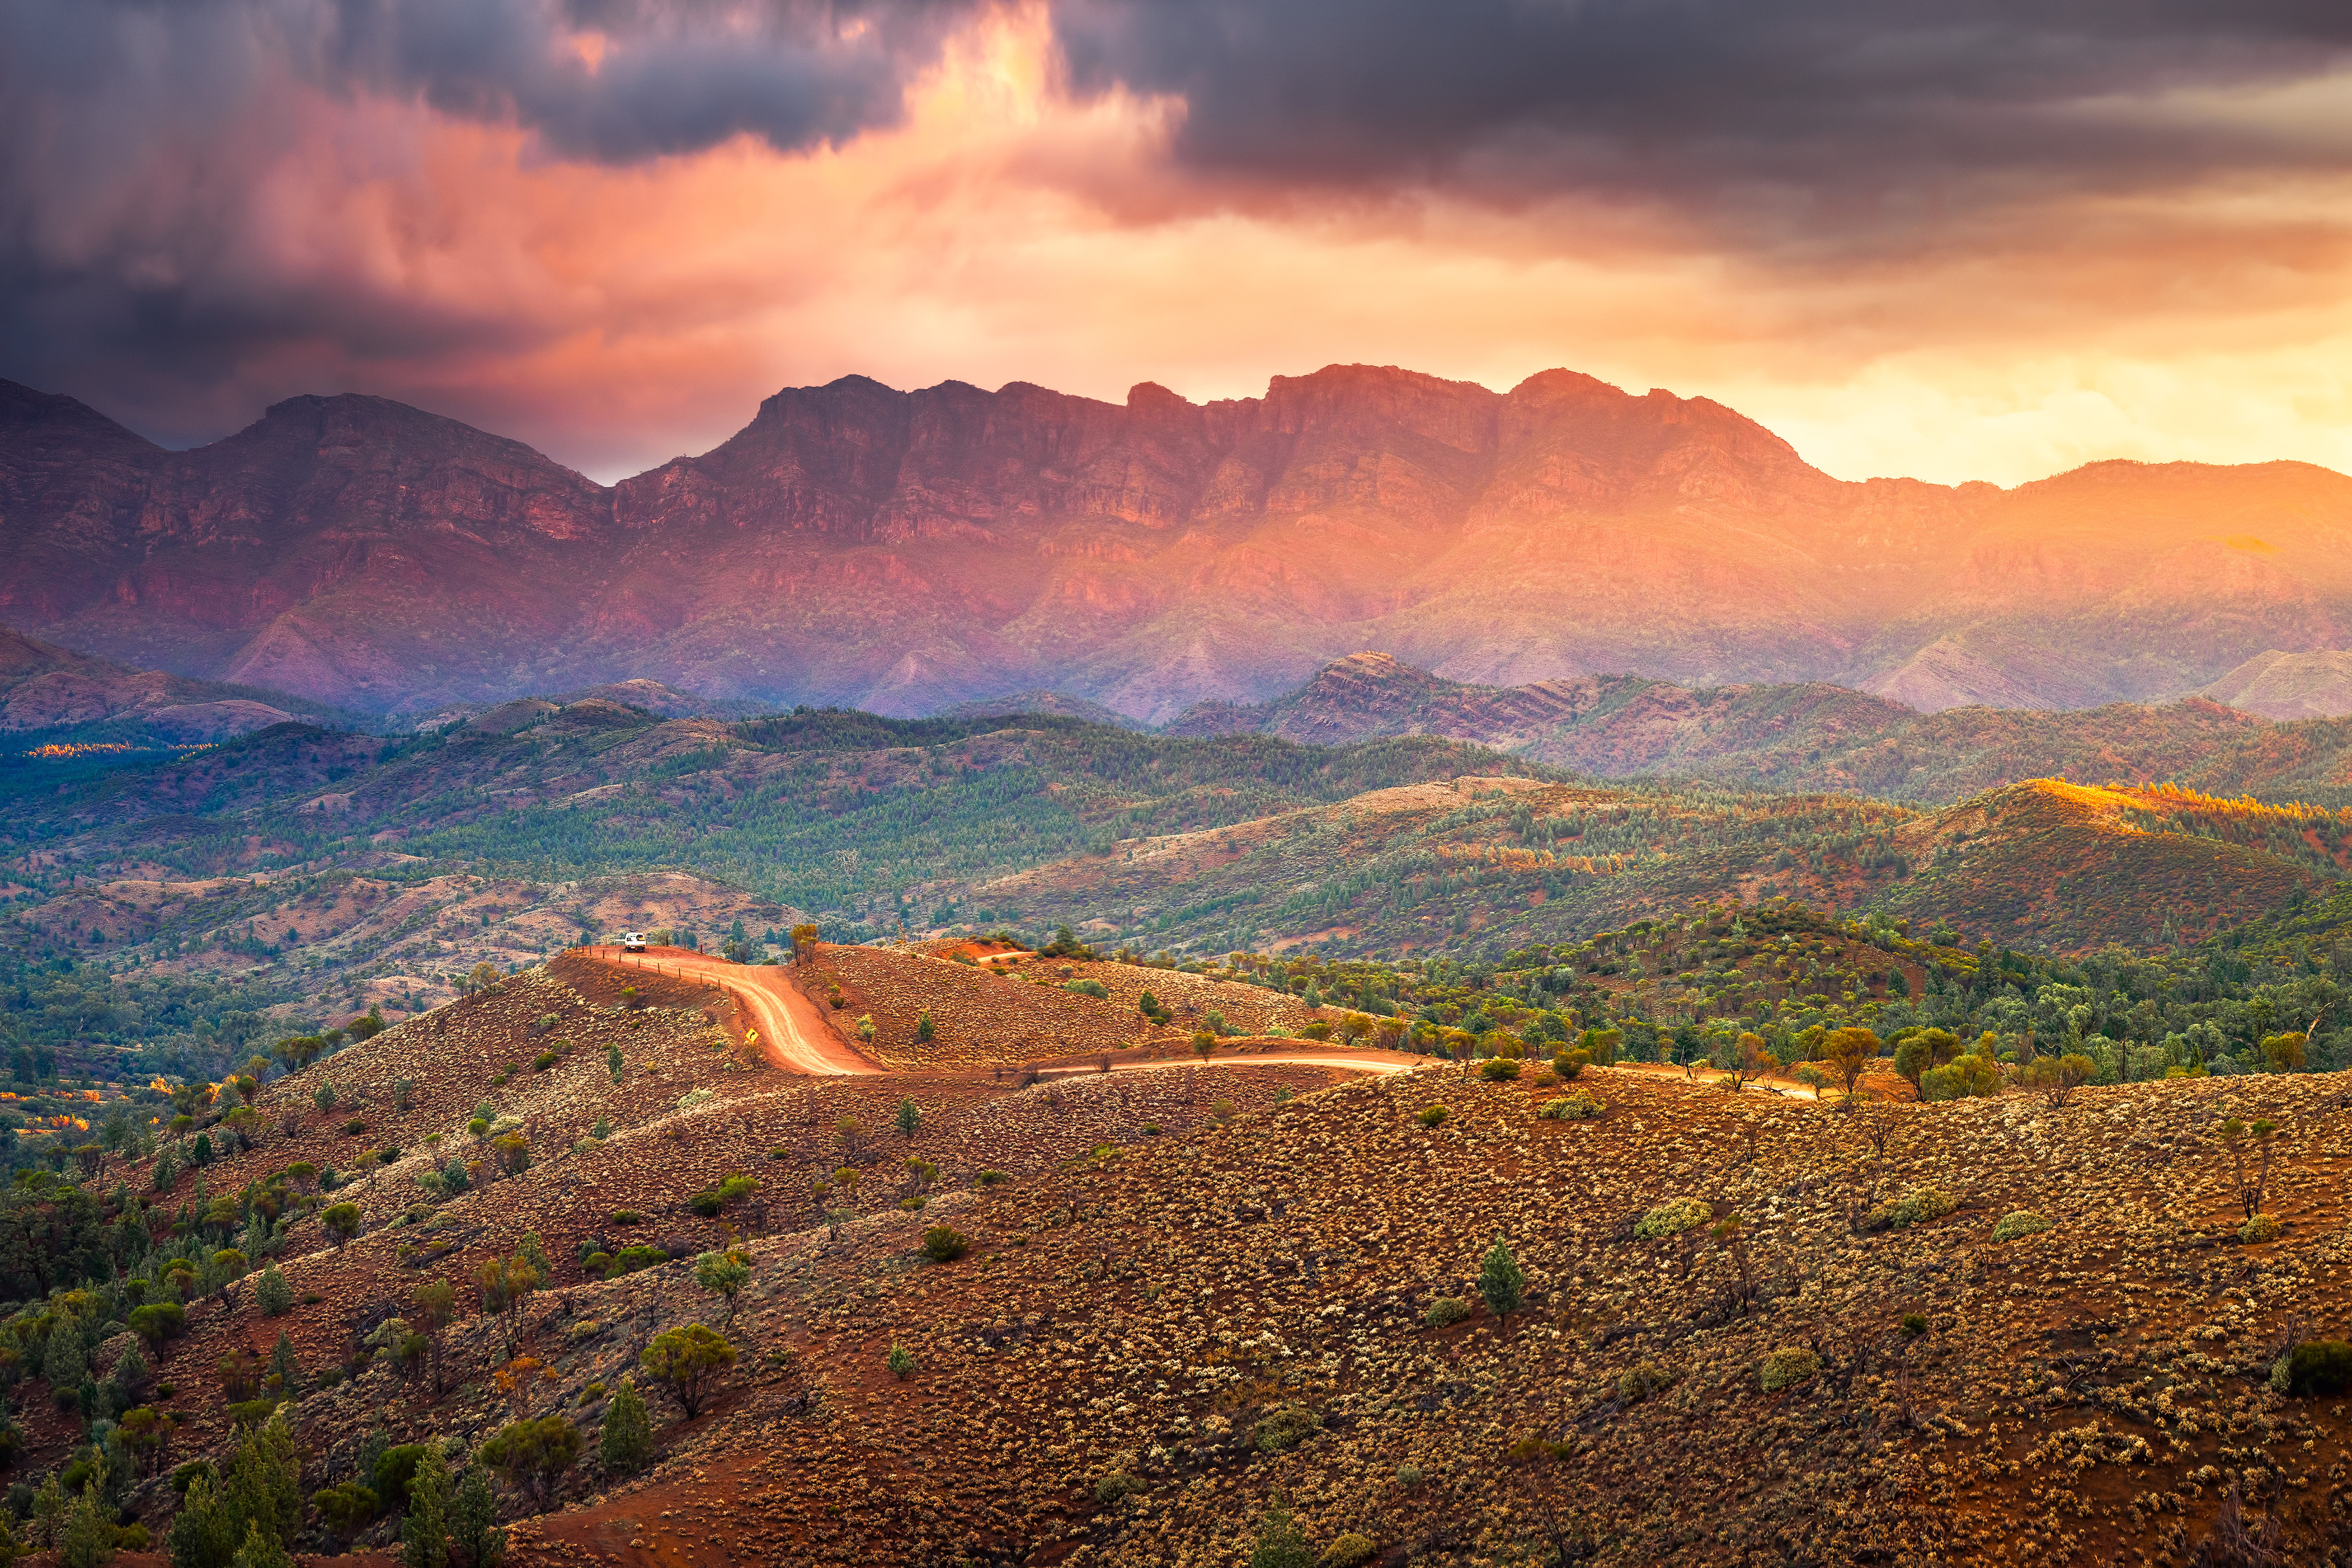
1871 109
1986 238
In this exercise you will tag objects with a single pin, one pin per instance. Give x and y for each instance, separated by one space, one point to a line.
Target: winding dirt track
794 1036
797 1038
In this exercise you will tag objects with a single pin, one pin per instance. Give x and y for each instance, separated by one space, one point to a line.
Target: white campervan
633 941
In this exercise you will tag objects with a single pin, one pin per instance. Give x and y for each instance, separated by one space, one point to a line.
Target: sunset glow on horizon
1016 210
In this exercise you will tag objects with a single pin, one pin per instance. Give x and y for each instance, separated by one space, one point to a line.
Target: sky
1977 239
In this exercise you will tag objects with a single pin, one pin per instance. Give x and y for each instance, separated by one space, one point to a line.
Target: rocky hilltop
1815 736
906 551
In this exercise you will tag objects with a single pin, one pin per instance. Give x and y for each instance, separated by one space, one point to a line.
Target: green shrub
2318 1366
1790 1367
2017 1223
1115 1488
944 1244
1579 1107
345 1508
393 1471
1640 1380
1498 1070
900 1361
1349 1551
1431 1116
989 1178
1673 1218
1445 1311
632 1259
1088 989
1914 1324
543 1061
706 1204
159 1321
1964 1078
2260 1228
627 1217
1913 1208
1287 1427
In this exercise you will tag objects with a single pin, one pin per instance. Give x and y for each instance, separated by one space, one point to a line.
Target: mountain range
906 553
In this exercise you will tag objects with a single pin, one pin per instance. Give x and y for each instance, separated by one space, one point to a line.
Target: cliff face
907 550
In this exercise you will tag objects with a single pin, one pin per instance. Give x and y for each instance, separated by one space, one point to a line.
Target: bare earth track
793 1033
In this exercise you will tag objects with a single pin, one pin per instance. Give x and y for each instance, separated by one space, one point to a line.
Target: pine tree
534 1252
272 1294
1501 1281
911 1118
425 1536
628 1436
129 1375
473 1519
1280 1543
200 1537
62 1363
264 1484
88 1539
261 1549
613 1061
287 1370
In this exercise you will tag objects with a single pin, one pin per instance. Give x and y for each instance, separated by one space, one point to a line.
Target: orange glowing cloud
1009 225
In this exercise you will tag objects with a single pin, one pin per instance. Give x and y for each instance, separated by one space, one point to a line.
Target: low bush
1094 989
1349 1551
1115 1488
989 1178
900 1361
1673 1218
543 1061
944 1244
1579 1107
627 1217
1640 1380
1914 1324
1431 1115
2019 1222
1789 1367
2260 1228
2318 1366
1498 1070
1913 1208
1287 1427
1445 1310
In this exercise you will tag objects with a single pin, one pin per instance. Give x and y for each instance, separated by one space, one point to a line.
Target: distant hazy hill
904 552
1800 738
2290 686
49 694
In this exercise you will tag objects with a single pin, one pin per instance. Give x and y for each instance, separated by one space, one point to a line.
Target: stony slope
904 551
1156 1335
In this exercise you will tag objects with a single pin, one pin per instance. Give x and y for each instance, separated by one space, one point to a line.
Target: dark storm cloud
1683 99
677 75
138 137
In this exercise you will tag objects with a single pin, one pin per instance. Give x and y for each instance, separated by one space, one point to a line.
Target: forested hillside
163 914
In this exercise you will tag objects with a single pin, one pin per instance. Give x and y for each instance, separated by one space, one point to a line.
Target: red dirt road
792 1031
